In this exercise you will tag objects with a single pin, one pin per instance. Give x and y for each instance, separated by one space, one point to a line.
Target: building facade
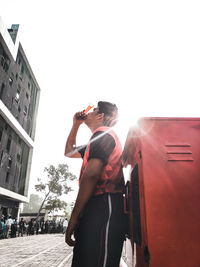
19 99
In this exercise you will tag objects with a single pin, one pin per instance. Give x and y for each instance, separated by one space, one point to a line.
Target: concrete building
19 98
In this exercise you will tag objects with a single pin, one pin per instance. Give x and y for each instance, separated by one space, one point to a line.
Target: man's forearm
71 140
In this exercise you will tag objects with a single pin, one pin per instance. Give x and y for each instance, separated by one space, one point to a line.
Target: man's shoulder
107 131
103 135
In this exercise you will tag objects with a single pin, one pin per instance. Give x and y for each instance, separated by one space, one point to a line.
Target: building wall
13 159
19 98
18 90
8 207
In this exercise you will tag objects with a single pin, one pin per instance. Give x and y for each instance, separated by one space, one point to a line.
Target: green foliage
40 187
67 214
55 205
56 184
57 180
68 210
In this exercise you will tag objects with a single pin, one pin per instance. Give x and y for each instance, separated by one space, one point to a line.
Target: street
36 250
43 250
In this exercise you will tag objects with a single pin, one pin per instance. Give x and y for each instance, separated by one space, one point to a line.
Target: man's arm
88 183
70 147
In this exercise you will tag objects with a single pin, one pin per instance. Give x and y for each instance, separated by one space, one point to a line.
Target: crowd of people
14 228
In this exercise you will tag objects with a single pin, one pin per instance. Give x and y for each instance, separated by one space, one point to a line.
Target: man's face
93 117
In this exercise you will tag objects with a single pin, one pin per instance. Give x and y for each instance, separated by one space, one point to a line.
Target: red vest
112 179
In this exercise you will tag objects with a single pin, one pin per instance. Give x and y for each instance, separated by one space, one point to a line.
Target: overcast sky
142 55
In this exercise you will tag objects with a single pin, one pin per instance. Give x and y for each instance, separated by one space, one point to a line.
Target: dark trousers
100 233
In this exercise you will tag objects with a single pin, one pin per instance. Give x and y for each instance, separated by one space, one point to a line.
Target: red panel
169 180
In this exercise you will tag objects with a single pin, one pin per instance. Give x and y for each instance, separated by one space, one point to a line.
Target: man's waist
103 194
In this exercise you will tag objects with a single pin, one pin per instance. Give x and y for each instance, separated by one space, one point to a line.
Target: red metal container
165 191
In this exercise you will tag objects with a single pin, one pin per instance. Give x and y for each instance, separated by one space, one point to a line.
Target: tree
33 205
55 204
68 210
57 184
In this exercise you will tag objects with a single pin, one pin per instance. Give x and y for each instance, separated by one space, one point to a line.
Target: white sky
142 55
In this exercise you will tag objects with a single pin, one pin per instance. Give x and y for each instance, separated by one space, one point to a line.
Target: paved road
43 250
37 250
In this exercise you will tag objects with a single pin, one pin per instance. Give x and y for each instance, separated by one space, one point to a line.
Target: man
14 228
65 224
97 220
2 228
21 227
37 227
9 222
30 227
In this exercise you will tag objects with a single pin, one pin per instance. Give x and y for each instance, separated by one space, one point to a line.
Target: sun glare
124 124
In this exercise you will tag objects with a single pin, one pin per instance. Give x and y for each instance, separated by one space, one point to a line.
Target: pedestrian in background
37 226
53 230
2 229
14 228
9 222
46 226
21 227
25 227
42 226
30 227
65 224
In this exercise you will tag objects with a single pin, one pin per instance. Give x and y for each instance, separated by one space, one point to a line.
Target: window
1 133
25 110
2 90
22 70
19 140
27 95
18 94
29 85
10 81
19 109
1 156
7 177
2 60
9 163
18 157
16 76
8 144
15 26
6 65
